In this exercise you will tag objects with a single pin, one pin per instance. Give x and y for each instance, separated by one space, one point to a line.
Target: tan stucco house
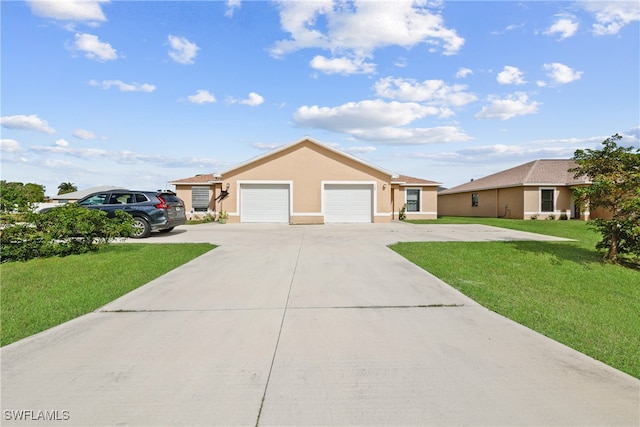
308 182
539 189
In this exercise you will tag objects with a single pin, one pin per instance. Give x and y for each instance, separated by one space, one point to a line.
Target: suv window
96 199
141 198
120 198
171 198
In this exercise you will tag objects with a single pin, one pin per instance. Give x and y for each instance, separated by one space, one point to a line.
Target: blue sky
138 94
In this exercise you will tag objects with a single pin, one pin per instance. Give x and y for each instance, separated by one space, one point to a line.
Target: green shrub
402 213
66 230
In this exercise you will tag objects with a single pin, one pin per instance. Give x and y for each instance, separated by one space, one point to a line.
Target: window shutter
200 197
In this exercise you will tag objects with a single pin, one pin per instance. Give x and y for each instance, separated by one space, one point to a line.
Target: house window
546 200
413 200
200 199
474 199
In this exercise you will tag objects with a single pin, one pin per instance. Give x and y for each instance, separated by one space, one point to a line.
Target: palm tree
66 187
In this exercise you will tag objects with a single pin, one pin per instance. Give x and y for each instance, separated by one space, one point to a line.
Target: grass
42 293
560 289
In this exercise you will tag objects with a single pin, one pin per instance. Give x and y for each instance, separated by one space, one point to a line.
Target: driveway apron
306 326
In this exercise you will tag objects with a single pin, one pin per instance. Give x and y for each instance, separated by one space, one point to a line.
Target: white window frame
555 199
406 198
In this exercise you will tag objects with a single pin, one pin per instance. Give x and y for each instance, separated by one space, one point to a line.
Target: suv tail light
162 204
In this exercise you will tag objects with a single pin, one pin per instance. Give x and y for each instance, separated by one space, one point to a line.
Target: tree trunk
612 253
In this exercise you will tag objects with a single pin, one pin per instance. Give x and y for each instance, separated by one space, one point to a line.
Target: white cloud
202 96
356 29
342 65
32 122
232 5
463 72
62 143
401 62
510 76
612 16
561 73
266 146
413 136
127 157
379 121
355 116
513 152
182 50
86 134
10 146
124 87
564 26
359 150
432 91
508 28
253 100
512 106
68 10
93 48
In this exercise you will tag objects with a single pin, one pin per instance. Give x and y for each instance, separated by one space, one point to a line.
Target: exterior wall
562 202
515 202
184 192
307 166
459 204
428 201
510 203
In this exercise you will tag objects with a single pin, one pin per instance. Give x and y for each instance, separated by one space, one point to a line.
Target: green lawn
560 289
42 293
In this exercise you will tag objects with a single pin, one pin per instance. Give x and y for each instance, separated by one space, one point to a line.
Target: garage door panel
348 203
264 203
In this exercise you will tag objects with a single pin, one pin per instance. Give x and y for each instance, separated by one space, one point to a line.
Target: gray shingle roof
537 172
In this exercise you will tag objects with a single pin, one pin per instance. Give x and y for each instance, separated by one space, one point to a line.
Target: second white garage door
264 203
348 203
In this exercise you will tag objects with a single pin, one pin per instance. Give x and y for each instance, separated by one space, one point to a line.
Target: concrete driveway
307 326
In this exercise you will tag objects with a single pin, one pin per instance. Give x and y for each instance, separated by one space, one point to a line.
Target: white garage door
264 203
348 203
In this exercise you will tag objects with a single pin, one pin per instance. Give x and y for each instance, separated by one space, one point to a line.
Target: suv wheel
141 228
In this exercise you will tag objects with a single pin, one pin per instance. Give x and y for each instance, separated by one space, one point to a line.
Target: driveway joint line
284 315
379 307
336 307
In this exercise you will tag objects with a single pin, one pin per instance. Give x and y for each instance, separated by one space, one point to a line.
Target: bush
66 230
402 213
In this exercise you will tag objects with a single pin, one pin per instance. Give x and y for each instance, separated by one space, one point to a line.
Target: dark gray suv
152 210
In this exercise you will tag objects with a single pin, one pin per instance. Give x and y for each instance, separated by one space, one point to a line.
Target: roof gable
405 180
207 178
537 172
313 142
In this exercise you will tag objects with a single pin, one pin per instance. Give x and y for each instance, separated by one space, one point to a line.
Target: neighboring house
308 182
77 195
539 189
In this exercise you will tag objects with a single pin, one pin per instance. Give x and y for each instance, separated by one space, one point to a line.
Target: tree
66 187
614 173
16 196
